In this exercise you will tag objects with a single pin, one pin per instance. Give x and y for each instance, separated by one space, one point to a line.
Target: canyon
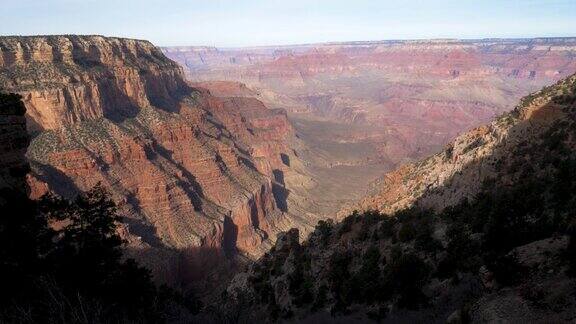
364 108
198 178
210 160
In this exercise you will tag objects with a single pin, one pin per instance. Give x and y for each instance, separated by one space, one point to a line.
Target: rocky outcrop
190 171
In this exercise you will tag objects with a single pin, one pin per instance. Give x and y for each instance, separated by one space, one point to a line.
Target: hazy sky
267 22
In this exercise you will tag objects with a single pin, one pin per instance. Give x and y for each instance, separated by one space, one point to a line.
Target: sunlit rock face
193 173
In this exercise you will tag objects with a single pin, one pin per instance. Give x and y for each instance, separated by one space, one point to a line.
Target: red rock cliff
190 171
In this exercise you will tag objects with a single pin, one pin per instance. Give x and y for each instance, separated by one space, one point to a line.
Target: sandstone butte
196 176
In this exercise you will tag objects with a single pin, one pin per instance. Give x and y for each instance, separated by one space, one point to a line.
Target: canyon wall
193 174
395 83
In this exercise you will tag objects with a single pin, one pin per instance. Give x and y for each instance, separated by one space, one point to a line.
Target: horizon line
348 42
389 40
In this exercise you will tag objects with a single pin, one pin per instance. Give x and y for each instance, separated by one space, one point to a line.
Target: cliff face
65 80
191 171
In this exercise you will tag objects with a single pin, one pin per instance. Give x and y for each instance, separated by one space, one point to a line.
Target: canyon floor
341 168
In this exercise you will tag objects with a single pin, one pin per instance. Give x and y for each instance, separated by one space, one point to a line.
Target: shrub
347 223
407 232
365 285
387 227
407 274
506 269
570 255
323 230
321 297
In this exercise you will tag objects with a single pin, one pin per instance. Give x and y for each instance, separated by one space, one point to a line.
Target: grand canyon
352 181
365 108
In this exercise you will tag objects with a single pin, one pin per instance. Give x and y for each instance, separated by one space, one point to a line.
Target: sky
235 23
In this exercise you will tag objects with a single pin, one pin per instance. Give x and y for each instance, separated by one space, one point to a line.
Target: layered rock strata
190 171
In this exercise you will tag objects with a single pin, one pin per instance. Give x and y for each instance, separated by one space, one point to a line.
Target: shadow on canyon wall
188 181
118 106
279 190
285 159
61 184
230 238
